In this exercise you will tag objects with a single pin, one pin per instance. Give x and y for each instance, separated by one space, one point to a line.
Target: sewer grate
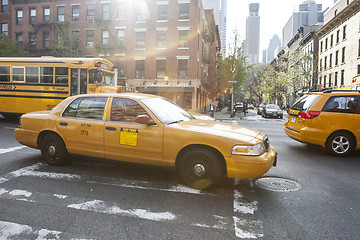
277 184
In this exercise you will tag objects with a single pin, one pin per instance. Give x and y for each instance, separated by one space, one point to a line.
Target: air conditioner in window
90 44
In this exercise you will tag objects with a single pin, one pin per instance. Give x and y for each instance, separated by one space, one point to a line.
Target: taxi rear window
87 107
304 102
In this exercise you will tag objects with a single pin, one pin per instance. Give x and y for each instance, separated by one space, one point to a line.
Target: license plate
293 119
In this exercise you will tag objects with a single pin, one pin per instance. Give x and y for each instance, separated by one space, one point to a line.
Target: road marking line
7 150
243 209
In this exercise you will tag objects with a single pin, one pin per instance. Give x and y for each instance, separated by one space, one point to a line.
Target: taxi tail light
309 114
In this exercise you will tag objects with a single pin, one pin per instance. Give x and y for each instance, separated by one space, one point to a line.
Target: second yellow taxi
147 129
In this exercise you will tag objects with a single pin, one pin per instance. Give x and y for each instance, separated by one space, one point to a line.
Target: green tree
233 68
11 48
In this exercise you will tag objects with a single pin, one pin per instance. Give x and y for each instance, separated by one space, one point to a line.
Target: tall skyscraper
253 33
310 13
220 11
274 48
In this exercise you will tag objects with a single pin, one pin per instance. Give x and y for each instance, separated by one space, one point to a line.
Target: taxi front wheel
53 150
201 168
340 144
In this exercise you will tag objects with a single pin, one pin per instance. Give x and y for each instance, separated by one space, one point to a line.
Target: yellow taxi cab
330 118
147 129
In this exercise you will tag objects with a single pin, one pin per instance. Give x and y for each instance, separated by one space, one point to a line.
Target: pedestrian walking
212 109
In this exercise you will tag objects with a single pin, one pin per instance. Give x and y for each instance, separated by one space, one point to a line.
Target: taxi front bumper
250 166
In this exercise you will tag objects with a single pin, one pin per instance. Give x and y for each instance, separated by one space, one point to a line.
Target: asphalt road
316 198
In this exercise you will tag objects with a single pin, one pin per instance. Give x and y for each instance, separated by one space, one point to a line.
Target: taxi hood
223 130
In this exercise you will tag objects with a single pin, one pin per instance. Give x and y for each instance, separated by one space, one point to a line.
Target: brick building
164 47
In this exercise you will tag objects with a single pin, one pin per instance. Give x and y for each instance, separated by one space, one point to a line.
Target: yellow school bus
35 84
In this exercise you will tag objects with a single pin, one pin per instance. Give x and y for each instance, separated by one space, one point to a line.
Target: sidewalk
225 115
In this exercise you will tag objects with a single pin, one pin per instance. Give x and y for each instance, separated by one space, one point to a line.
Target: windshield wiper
177 121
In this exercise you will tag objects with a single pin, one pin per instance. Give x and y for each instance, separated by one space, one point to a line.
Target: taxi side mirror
145 119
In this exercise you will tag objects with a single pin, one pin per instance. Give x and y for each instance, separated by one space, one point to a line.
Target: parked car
147 129
238 106
251 106
272 110
260 108
330 118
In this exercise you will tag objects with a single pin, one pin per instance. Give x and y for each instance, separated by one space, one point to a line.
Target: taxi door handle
63 124
111 128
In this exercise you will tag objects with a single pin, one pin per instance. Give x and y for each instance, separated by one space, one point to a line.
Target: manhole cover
278 184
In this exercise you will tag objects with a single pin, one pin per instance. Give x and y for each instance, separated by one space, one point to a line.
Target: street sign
232 81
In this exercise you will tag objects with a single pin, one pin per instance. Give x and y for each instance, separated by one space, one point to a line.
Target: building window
326 44
183 68
359 48
140 14
90 38
183 11
324 81
61 14
46 14
161 39
321 46
19 39
140 40
4 6
162 12
344 32
121 37
105 37
121 67
90 12
331 40
358 69
121 10
105 10
5 29
160 68
321 65
336 79
75 13
139 68
320 80
183 38
32 14
76 38
343 55
325 60
32 39
337 58
330 61
19 16
46 40
330 80
342 77
338 36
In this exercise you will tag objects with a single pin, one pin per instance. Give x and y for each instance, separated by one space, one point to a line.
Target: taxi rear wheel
340 144
53 150
201 168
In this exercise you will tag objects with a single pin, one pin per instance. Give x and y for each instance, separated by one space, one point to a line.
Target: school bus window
18 74
70 111
4 74
46 74
32 74
61 75
95 76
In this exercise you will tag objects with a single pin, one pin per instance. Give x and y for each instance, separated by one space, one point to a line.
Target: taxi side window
126 110
87 107
341 104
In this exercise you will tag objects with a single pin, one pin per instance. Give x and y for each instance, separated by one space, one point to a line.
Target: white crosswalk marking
7 150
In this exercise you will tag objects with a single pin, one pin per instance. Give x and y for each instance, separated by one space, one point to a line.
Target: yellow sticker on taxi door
128 136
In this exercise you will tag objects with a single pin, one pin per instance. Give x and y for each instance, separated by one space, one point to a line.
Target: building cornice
343 16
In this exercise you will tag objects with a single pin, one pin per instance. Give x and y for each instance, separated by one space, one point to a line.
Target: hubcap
340 144
199 170
51 150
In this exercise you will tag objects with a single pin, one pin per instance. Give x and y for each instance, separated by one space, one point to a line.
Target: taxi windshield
166 111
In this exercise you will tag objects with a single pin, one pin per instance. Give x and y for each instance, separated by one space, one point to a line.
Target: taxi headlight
252 150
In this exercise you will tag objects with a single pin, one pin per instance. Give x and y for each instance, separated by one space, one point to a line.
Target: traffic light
228 90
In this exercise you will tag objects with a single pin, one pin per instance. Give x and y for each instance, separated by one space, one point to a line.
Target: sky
273 16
